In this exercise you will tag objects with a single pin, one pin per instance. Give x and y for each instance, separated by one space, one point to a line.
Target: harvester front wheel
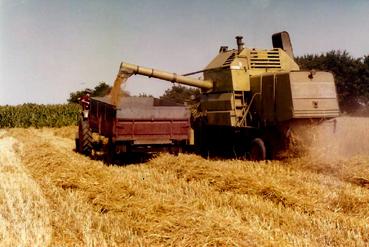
85 138
257 150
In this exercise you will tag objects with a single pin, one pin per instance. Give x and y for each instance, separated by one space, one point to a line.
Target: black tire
257 150
110 154
85 138
77 145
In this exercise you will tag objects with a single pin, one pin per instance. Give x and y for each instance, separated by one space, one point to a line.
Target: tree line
177 93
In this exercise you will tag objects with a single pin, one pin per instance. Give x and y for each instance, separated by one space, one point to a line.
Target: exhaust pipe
239 43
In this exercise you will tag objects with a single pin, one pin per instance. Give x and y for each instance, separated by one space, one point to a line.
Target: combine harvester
250 100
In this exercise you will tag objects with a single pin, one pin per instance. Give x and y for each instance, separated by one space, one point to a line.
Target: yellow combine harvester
251 98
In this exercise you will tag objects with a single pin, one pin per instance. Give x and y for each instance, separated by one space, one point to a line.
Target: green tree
74 96
100 90
179 94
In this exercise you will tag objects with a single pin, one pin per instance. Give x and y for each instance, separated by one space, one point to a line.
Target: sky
50 48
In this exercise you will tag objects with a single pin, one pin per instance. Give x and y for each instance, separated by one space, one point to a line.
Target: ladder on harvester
243 109
240 108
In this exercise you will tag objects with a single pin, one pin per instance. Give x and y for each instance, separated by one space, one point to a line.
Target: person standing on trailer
85 99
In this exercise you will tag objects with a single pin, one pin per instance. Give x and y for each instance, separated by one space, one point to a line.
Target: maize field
34 115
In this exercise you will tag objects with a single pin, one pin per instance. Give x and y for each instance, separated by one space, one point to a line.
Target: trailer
137 124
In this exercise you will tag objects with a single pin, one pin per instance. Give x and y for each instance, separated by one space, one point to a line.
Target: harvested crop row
190 201
24 211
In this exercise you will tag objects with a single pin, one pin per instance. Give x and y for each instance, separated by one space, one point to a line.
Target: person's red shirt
85 101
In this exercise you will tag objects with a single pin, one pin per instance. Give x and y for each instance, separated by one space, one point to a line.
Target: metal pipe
239 43
195 72
163 75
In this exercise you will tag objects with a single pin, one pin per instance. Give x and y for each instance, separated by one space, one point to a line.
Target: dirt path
23 208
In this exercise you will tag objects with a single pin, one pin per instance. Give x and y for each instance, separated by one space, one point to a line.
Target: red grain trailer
137 124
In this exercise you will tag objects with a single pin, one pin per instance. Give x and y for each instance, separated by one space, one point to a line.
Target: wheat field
52 196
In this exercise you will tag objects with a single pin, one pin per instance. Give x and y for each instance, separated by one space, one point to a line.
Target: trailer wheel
84 145
77 144
110 154
257 150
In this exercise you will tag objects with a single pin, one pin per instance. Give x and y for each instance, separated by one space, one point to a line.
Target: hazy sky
50 48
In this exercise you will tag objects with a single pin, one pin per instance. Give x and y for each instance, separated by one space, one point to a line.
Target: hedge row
34 115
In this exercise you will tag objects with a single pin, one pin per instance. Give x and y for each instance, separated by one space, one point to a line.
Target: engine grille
265 59
229 59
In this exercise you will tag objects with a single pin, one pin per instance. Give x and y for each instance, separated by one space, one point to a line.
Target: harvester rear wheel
85 138
257 150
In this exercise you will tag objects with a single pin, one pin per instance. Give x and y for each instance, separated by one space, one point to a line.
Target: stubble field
50 195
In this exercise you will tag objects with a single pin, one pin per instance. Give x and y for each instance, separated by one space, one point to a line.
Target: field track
50 195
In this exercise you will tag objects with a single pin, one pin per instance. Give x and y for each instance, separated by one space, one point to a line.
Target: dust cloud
344 138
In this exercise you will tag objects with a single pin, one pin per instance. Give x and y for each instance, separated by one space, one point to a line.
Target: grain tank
251 97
